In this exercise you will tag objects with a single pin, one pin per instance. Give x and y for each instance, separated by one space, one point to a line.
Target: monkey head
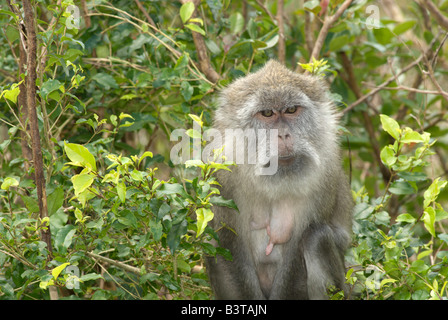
297 106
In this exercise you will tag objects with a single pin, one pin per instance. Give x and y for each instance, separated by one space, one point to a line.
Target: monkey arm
325 246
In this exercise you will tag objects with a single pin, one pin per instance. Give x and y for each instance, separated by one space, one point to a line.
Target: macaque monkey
293 226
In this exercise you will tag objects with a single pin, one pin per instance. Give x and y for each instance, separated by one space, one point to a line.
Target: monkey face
293 105
282 120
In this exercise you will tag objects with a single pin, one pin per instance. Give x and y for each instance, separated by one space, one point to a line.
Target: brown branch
427 54
309 41
383 85
350 78
444 94
145 13
281 32
328 23
21 99
118 264
435 12
34 128
85 14
265 9
23 112
204 62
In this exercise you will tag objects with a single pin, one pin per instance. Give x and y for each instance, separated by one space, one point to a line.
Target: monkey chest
270 230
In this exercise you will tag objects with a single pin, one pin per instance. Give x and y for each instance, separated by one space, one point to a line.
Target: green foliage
126 223
394 257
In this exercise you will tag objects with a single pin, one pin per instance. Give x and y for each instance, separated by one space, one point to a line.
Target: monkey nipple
269 248
270 245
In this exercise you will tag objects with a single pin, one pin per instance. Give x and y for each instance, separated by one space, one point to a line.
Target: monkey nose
284 136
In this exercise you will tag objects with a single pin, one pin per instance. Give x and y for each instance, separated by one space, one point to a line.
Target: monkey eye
267 113
292 109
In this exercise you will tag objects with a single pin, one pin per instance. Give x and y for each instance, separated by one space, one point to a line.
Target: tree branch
351 81
145 13
204 62
34 128
435 12
281 32
414 63
328 23
309 41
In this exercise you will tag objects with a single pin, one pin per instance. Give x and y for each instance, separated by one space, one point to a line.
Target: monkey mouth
286 160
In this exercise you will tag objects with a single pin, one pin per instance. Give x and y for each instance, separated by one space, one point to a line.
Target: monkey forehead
274 80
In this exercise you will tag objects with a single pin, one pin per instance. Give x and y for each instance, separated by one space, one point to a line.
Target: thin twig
118 264
145 13
328 23
265 9
281 32
435 12
201 49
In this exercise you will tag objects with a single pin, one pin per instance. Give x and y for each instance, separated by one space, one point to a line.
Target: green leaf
8 183
203 216
80 156
156 229
182 62
194 163
433 191
183 266
406 217
31 204
403 27
90 276
174 236
144 155
55 200
48 87
440 213
124 116
186 11
193 134
171 188
136 175
56 271
401 188
64 238
236 23
338 42
81 182
208 248
128 97
313 6
78 215
121 190
387 156
270 42
220 201
105 80
196 119
12 93
186 90
195 28
410 136
429 218
390 126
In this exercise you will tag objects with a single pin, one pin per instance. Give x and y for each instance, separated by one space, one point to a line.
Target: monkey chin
292 164
286 161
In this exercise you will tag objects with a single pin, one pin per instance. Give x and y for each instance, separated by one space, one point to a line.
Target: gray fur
309 201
